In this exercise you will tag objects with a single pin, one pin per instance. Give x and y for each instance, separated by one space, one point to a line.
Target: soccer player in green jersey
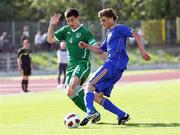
79 66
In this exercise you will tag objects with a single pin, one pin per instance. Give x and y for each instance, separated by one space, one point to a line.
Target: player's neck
112 26
76 28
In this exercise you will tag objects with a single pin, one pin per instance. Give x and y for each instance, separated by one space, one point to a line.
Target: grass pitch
154 108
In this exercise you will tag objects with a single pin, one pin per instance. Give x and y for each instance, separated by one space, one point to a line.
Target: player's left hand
146 56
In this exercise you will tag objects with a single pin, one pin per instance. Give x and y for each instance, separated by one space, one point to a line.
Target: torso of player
72 38
116 46
25 56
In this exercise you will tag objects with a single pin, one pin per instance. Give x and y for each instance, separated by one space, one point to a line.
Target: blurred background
158 22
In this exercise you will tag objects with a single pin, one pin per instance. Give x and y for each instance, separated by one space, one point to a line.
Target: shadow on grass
145 124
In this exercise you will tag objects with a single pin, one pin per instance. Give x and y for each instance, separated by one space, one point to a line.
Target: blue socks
108 105
89 102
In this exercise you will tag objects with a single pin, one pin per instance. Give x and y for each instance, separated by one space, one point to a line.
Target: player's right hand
55 19
82 44
146 56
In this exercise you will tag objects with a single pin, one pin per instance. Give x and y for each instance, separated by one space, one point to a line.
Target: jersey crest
78 35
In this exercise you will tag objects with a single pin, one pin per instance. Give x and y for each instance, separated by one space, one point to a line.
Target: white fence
8 62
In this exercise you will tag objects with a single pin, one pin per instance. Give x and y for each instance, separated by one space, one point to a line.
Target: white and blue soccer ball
72 120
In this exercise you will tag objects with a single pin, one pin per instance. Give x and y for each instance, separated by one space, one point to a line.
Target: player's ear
111 19
78 17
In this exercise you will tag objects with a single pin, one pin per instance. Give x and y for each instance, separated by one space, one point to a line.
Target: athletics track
13 86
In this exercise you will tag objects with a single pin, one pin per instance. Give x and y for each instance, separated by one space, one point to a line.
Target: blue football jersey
115 46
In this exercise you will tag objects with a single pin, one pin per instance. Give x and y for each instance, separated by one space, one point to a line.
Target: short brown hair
108 12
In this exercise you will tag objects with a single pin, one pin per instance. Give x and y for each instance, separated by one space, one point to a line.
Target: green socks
78 98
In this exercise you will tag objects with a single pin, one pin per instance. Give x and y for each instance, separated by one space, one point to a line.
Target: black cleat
122 121
94 117
26 90
84 121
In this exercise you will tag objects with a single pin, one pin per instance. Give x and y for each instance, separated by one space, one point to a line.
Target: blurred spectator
141 33
24 64
38 40
5 44
44 37
25 33
132 41
46 45
62 64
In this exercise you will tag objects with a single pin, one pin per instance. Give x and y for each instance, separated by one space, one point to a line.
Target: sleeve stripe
56 38
92 42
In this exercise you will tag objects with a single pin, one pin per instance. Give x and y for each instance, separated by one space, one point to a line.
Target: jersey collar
113 27
77 28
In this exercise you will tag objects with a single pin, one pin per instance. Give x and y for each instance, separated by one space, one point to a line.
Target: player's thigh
59 68
82 71
26 71
98 80
72 76
74 82
69 73
64 67
104 79
110 82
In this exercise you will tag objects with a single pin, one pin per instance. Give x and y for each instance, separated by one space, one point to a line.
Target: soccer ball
71 120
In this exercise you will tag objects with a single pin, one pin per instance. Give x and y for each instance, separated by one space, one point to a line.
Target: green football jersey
72 39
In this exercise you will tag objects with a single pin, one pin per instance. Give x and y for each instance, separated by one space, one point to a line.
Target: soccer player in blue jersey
101 84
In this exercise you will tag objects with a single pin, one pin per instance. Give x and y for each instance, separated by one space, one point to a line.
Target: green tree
127 9
162 9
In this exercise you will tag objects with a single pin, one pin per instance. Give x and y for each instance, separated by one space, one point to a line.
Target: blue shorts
105 78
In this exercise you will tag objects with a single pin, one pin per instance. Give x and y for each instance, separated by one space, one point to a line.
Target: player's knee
73 92
25 77
90 87
98 97
69 91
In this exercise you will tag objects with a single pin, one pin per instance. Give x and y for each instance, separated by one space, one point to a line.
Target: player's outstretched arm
52 24
140 44
94 49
